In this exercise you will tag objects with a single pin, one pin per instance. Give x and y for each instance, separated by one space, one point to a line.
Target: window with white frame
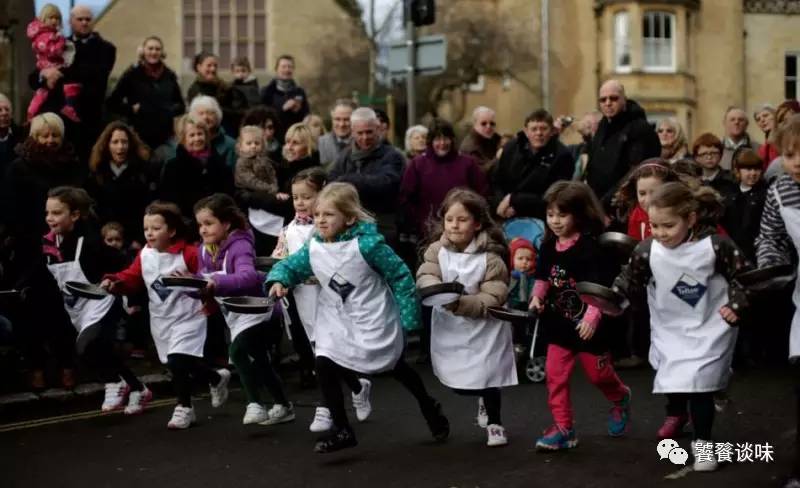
658 30
227 28
622 42
791 85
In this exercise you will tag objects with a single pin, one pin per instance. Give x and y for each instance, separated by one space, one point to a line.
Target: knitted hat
517 244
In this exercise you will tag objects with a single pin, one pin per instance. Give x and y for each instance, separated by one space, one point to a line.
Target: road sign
431 56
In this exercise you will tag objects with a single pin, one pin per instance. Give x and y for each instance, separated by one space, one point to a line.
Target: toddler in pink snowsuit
49 47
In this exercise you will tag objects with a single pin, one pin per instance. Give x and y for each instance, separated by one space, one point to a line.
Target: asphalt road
395 448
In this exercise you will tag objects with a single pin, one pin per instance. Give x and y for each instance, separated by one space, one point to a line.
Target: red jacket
639 224
767 152
129 281
48 45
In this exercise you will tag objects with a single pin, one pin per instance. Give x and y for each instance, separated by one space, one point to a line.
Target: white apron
469 353
83 312
237 322
306 295
691 345
791 219
358 321
177 323
265 222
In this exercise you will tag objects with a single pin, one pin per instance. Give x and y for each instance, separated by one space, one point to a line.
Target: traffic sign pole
411 67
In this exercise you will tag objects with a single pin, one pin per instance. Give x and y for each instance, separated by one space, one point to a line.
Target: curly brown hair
625 200
102 155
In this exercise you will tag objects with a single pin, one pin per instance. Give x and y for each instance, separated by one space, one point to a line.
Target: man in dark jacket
374 168
93 62
530 163
285 96
483 141
624 139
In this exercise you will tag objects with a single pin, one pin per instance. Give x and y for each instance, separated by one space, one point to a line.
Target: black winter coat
617 146
272 97
160 102
123 198
8 149
742 220
185 180
725 184
527 175
376 176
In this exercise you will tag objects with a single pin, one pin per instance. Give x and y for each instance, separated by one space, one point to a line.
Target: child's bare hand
536 304
278 290
585 331
283 196
728 314
107 285
451 307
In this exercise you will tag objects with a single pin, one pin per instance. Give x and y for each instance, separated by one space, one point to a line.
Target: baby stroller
531 354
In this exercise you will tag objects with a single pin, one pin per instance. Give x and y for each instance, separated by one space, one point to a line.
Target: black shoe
337 440
437 422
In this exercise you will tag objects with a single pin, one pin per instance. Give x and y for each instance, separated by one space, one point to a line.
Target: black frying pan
607 300
182 281
85 290
265 263
249 305
440 293
768 278
618 242
511 315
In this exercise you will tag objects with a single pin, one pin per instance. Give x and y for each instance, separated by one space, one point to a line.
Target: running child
687 271
177 322
471 352
631 199
74 253
367 295
568 255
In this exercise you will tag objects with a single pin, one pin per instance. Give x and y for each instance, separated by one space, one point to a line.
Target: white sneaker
137 401
496 435
483 417
361 401
116 394
708 460
279 414
254 414
322 420
182 418
219 393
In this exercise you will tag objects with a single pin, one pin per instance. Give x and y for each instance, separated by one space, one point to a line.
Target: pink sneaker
672 427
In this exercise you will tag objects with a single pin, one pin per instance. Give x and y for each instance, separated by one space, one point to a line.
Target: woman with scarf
148 95
285 96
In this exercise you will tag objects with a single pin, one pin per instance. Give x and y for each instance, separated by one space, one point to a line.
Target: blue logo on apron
689 290
341 286
162 291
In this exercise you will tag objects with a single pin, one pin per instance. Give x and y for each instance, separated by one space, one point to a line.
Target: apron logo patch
341 286
162 291
689 290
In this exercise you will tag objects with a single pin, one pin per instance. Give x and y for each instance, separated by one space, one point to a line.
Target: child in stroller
524 236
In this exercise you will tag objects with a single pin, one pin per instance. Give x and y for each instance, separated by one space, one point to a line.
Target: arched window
622 42
658 30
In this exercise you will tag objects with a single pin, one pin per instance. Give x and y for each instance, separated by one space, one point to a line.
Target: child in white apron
73 253
367 295
471 352
302 309
226 260
780 232
573 331
688 272
177 322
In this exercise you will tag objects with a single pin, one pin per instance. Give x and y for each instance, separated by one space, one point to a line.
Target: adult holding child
148 94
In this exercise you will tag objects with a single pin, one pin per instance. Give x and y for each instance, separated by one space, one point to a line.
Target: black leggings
701 408
491 400
331 374
184 368
250 354
100 356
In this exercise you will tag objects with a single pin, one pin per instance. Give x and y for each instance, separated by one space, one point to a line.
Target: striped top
773 244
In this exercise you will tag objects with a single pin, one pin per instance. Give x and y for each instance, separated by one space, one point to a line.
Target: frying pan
265 263
607 300
768 278
249 305
85 290
618 242
440 293
182 281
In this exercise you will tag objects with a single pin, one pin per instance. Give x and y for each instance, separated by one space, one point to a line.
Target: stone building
686 58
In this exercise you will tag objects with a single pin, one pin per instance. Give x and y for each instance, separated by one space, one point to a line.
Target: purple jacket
237 253
427 180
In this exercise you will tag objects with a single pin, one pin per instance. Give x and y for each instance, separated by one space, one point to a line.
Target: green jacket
296 268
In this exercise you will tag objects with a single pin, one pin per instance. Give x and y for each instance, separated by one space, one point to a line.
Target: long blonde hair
50 10
344 197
